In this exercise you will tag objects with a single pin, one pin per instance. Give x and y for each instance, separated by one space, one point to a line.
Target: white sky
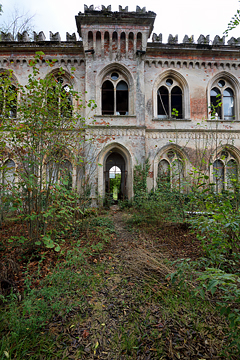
191 17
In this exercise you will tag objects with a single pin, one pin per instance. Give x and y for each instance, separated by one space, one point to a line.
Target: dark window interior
163 102
176 101
107 98
122 98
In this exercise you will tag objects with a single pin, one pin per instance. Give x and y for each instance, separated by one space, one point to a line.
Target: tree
46 138
234 22
18 22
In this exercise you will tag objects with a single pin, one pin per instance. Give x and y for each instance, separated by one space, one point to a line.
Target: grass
96 303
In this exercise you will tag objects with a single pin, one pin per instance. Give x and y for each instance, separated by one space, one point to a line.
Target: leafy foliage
49 130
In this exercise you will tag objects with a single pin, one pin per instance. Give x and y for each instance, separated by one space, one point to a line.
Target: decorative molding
10 62
116 131
165 63
192 135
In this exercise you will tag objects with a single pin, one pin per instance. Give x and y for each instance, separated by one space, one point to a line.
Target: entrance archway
115 154
115 176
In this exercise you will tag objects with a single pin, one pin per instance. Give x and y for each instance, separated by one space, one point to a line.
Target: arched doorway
115 176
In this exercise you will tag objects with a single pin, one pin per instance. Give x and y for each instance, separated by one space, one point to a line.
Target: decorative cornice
58 61
193 64
192 135
116 131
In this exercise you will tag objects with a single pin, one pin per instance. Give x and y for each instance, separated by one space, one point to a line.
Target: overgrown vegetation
74 282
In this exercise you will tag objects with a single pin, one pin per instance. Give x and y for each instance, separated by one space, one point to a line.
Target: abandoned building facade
154 100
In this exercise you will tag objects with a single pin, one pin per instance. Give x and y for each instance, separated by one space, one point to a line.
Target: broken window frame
116 95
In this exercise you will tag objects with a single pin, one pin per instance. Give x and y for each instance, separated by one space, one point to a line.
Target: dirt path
127 321
113 304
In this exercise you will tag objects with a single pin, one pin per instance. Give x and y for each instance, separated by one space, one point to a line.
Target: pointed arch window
115 95
7 174
222 100
170 100
8 97
171 169
225 171
59 99
59 172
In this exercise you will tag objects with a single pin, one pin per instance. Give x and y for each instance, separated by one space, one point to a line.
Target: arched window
171 169
115 95
225 170
59 172
222 100
59 100
8 96
170 100
8 173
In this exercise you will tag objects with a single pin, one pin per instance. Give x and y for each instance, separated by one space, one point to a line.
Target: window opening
107 98
176 102
218 173
170 101
228 104
9 173
171 170
232 173
8 101
222 101
122 98
225 171
221 83
115 96
114 76
59 172
59 100
164 171
169 82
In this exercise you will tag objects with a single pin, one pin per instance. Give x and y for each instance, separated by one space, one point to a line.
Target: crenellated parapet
6 36
24 37
234 42
55 37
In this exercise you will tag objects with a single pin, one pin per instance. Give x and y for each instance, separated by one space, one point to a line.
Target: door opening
115 178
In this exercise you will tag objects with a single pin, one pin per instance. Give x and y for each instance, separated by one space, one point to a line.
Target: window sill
171 119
